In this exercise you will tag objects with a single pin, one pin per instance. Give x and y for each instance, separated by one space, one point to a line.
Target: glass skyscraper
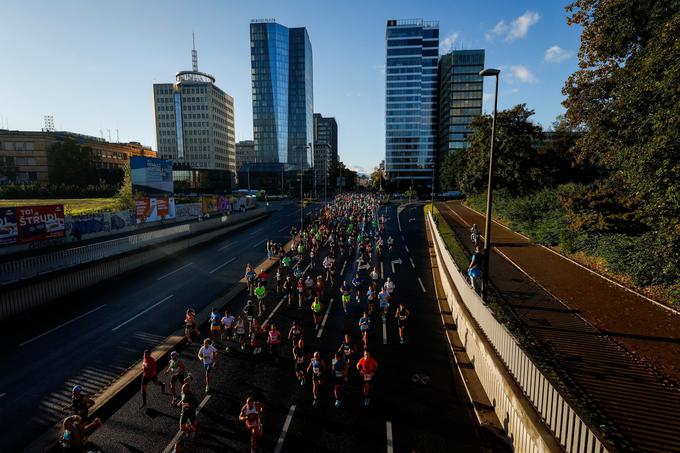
411 101
283 100
460 97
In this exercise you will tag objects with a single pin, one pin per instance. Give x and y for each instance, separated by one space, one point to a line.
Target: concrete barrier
534 414
18 298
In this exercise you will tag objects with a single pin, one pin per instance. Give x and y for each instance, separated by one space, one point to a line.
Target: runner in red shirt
367 366
149 374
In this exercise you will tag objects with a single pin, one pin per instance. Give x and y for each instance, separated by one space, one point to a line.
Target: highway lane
419 404
90 337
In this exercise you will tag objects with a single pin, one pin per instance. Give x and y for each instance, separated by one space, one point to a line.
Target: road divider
142 312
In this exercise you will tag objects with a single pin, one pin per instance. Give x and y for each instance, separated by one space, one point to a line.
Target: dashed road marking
413 265
175 271
421 285
259 243
256 231
284 430
179 434
222 265
406 247
228 244
390 440
325 318
382 273
2 394
384 330
142 312
284 228
59 327
272 313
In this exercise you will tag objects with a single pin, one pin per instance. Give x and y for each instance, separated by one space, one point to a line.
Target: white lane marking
413 265
398 220
390 440
142 312
222 265
402 238
176 270
284 228
2 394
272 313
421 285
384 330
342 272
228 244
325 318
284 431
60 326
306 269
382 273
259 243
256 231
406 247
174 440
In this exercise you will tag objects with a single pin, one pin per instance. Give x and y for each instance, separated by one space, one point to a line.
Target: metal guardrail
573 434
33 266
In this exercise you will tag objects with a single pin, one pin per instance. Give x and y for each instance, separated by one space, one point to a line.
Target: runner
188 423
249 311
208 355
319 287
371 297
367 367
309 286
190 325
250 414
317 367
250 278
300 357
340 368
345 291
295 332
149 374
384 298
274 340
260 293
401 315
80 403
241 332
347 349
375 276
356 284
301 292
279 281
288 290
475 267
176 368
228 332
389 286
256 333
317 308
215 324
364 327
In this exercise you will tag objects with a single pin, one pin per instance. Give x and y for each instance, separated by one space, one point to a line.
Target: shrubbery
38 191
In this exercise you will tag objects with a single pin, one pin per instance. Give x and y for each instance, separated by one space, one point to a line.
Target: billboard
9 231
151 177
37 223
154 209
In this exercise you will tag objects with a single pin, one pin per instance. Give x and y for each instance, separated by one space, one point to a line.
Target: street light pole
489 190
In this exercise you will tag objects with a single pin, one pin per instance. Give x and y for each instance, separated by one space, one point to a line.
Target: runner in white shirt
228 329
207 354
389 285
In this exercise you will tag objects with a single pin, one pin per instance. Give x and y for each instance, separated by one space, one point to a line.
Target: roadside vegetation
72 206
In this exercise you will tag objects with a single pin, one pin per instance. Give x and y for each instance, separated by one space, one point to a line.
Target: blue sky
92 64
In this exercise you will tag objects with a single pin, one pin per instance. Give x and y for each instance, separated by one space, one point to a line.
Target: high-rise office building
460 98
325 146
283 100
245 153
195 121
411 101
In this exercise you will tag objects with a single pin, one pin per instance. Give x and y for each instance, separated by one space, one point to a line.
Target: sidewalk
583 320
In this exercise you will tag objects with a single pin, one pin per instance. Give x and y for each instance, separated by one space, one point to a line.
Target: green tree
72 164
515 152
450 170
377 178
625 93
7 168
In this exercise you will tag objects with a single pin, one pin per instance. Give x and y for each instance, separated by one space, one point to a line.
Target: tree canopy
72 164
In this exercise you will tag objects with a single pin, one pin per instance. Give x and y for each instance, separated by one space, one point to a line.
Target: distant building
411 101
26 152
460 98
201 181
195 121
269 176
245 153
325 147
283 100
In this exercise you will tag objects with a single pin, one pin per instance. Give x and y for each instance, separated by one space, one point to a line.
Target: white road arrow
393 263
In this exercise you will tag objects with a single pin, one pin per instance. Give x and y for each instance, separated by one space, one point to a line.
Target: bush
38 191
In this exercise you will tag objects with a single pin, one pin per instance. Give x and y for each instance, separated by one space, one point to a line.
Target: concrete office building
245 153
325 147
283 100
460 98
26 153
411 102
195 121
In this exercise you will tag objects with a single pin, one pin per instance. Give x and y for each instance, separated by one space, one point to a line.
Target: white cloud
360 169
447 43
556 54
487 97
521 73
518 28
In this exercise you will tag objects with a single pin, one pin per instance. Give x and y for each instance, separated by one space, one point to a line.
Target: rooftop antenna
101 132
194 54
109 131
117 136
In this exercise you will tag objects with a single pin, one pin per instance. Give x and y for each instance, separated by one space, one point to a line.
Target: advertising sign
9 231
153 209
37 223
150 176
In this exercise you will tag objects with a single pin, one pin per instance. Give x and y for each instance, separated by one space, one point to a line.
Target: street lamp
487 226
302 198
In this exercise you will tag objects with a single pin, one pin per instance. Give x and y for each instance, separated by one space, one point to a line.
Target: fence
30 267
572 433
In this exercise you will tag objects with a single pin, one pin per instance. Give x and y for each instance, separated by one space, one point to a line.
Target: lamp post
302 197
489 191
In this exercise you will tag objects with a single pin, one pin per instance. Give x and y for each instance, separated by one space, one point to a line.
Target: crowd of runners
346 238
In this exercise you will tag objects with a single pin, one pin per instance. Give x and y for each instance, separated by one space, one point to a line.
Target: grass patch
72 206
453 245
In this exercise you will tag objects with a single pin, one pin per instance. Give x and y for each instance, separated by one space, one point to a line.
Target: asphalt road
92 336
418 404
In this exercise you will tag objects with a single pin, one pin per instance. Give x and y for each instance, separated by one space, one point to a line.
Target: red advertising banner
151 209
37 223
9 233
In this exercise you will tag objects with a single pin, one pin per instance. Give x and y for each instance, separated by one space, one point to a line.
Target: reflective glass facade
460 97
283 102
411 100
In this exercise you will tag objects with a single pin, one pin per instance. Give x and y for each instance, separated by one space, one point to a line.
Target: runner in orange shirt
367 366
